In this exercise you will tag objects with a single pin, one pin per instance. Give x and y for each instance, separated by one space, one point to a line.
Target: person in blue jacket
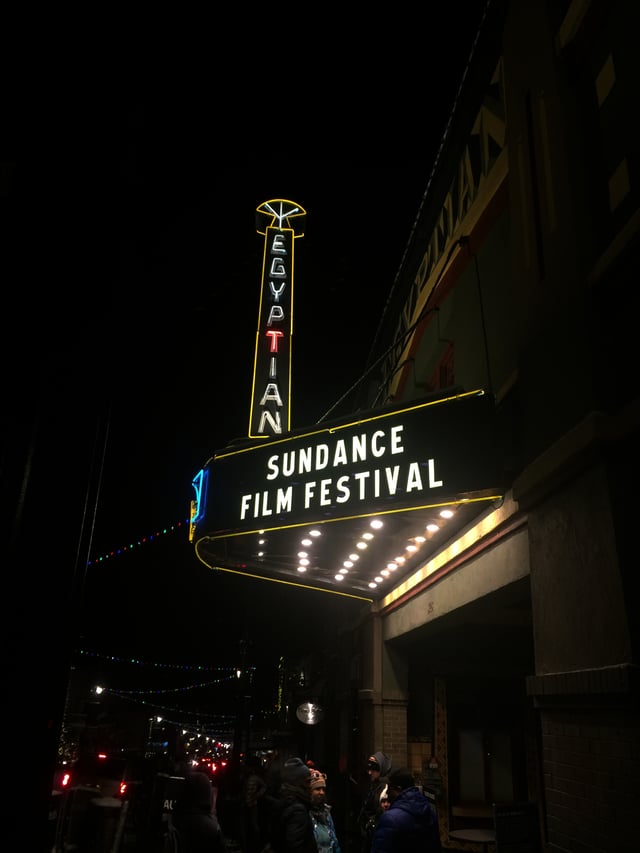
410 824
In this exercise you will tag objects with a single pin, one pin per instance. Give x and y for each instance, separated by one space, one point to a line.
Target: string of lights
231 670
168 708
145 540
173 689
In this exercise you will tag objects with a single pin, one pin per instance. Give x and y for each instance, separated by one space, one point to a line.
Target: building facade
505 670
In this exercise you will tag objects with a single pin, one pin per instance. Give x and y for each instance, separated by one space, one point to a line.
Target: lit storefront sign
395 461
270 412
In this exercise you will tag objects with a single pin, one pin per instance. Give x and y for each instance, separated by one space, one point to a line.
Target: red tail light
65 781
123 788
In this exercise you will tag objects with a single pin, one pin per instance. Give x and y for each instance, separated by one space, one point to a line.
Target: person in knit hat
378 766
410 824
323 826
290 827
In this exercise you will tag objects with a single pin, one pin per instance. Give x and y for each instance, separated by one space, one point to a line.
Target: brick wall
395 732
591 765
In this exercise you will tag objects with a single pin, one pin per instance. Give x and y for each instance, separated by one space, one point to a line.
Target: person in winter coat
254 788
194 822
323 826
378 766
290 827
410 824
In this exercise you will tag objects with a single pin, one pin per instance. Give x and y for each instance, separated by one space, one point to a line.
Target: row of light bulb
363 544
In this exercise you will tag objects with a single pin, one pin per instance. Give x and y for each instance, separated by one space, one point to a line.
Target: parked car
110 775
106 773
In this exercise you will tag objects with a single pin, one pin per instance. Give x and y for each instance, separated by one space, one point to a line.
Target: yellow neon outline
264 529
479 392
461 544
287 426
299 211
275 580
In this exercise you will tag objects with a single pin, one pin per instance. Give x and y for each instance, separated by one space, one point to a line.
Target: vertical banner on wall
281 222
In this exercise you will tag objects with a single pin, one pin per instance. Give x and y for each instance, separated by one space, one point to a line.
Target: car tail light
65 780
123 788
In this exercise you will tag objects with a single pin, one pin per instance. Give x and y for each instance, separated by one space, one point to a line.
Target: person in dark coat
410 824
290 827
378 766
194 822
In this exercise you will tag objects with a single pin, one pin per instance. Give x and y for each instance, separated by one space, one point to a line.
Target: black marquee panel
400 464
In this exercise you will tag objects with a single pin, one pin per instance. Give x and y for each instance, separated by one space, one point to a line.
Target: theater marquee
393 463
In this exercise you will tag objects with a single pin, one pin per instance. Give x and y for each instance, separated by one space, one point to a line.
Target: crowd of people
283 808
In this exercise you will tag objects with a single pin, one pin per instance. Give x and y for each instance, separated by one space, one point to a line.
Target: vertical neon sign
281 222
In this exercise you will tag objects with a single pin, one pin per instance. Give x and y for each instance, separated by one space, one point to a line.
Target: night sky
186 391
163 240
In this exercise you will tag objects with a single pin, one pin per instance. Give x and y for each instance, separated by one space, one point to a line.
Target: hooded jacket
197 827
410 825
371 807
383 761
290 826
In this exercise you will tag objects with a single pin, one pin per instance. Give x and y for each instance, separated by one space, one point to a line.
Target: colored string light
174 689
144 541
157 665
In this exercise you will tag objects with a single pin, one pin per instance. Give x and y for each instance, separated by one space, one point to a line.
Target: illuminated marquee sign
271 390
397 459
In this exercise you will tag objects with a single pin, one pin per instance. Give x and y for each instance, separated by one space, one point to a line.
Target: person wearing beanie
324 828
378 766
290 826
410 824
